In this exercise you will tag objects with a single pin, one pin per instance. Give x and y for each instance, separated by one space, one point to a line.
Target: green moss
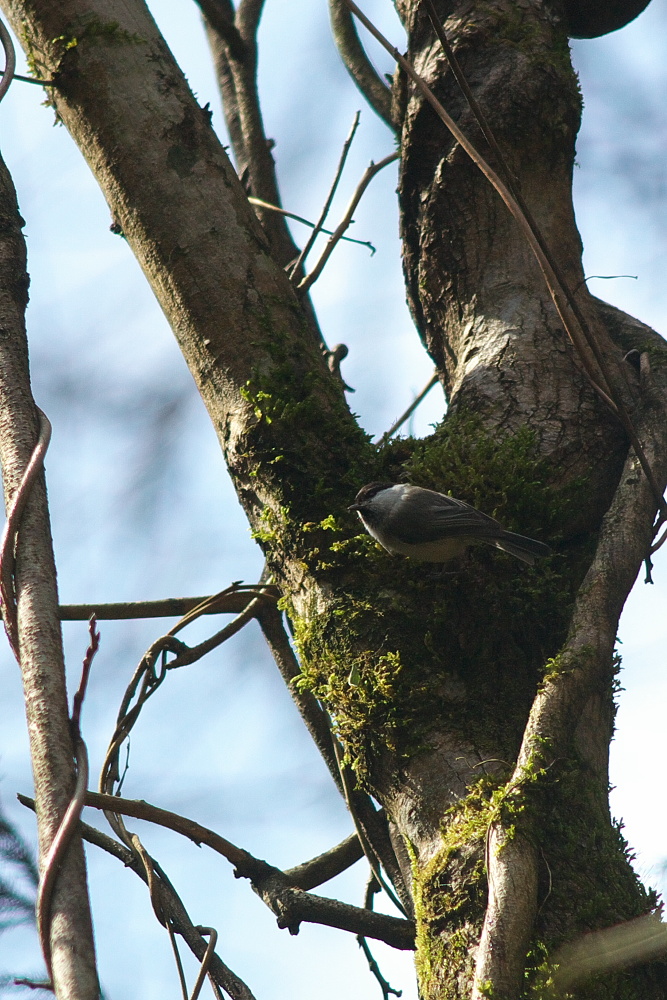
586 880
467 647
450 892
90 28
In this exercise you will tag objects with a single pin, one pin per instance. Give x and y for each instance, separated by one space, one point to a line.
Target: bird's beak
354 506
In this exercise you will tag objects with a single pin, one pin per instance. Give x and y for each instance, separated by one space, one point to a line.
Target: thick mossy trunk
432 676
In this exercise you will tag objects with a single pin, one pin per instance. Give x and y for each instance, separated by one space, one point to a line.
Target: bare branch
248 16
291 905
369 174
231 600
235 58
39 639
410 410
371 823
326 866
357 63
327 203
313 715
307 222
170 902
220 17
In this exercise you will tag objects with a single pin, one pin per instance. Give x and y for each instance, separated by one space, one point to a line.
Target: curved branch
290 904
172 907
357 63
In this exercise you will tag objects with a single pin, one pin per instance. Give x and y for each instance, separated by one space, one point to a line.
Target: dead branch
307 222
231 600
313 715
326 866
248 16
298 264
220 17
369 174
373 887
290 904
410 410
357 63
169 901
38 629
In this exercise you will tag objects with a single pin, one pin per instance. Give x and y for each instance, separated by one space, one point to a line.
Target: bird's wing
434 516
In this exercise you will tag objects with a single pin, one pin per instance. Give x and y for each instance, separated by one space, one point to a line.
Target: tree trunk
475 705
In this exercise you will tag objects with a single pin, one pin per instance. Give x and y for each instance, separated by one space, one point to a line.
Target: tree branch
235 59
39 638
248 16
559 705
326 866
219 15
357 63
369 174
173 910
290 904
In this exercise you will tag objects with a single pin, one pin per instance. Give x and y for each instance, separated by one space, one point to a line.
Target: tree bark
39 638
434 679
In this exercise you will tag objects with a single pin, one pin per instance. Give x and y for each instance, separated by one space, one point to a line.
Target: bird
422 524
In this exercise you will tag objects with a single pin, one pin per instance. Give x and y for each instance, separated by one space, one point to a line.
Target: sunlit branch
357 63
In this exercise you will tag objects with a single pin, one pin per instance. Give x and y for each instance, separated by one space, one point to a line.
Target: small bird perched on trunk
410 521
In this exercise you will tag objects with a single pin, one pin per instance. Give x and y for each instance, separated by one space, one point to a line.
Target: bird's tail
526 549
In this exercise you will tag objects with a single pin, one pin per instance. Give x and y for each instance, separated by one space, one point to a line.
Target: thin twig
294 270
408 413
212 935
171 904
315 718
77 703
307 222
369 851
372 887
177 960
568 311
369 174
150 681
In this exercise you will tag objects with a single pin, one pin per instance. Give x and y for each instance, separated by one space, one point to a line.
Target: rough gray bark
40 644
435 680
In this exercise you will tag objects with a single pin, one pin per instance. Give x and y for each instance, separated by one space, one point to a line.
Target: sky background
143 508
